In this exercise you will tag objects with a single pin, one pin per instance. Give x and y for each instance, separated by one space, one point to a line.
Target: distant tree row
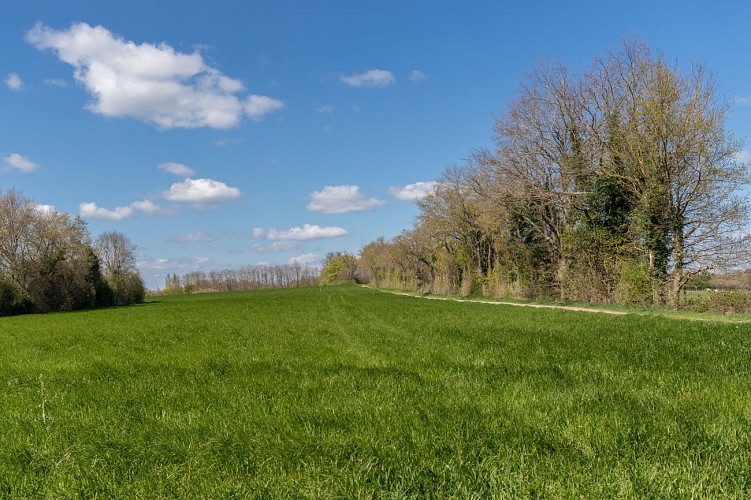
618 183
242 279
49 263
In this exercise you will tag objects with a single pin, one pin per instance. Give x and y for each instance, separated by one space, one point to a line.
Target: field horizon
346 391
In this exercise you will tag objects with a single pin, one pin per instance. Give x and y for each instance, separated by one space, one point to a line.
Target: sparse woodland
617 183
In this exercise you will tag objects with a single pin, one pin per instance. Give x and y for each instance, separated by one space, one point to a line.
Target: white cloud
341 199
276 246
412 192
176 169
146 206
371 78
16 161
742 100
201 191
44 209
92 211
417 75
14 82
743 156
305 259
152 83
305 233
257 106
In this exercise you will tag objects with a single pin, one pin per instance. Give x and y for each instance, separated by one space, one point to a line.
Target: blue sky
229 133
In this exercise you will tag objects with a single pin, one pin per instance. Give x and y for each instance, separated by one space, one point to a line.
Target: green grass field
353 393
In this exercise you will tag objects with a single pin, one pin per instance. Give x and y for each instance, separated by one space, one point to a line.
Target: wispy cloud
19 162
14 82
276 246
258 106
370 78
152 83
194 238
305 259
341 199
417 75
56 82
176 169
305 233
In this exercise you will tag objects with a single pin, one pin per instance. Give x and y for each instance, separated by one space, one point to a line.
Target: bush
12 301
725 302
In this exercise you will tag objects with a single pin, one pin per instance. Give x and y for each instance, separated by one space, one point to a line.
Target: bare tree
117 253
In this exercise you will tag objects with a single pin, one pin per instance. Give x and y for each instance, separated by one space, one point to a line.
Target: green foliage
12 301
341 268
723 302
595 172
635 286
127 288
344 392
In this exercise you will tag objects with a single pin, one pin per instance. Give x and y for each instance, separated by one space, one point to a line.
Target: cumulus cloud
341 199
14 82
305 233
44 209
371 78
16 161
417 75
258 106
146 206
305 259
152 83
176 169
412 192
201 191
92 211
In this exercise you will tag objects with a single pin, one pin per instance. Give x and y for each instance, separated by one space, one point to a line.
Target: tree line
615 183
48 262
242 279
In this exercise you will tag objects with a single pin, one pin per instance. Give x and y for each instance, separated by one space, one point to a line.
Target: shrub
725 302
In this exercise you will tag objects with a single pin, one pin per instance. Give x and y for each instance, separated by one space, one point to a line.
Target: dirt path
503 303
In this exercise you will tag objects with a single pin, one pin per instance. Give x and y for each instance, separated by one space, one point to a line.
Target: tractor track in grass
717 318
504 303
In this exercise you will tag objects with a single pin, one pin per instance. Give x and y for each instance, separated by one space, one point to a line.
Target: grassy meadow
345 392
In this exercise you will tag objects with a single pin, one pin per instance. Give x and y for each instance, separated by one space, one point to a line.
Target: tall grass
347 392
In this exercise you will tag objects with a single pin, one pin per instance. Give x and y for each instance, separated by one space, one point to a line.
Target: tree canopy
615 183
48 262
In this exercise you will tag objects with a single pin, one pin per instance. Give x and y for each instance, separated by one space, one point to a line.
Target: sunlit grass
349 392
